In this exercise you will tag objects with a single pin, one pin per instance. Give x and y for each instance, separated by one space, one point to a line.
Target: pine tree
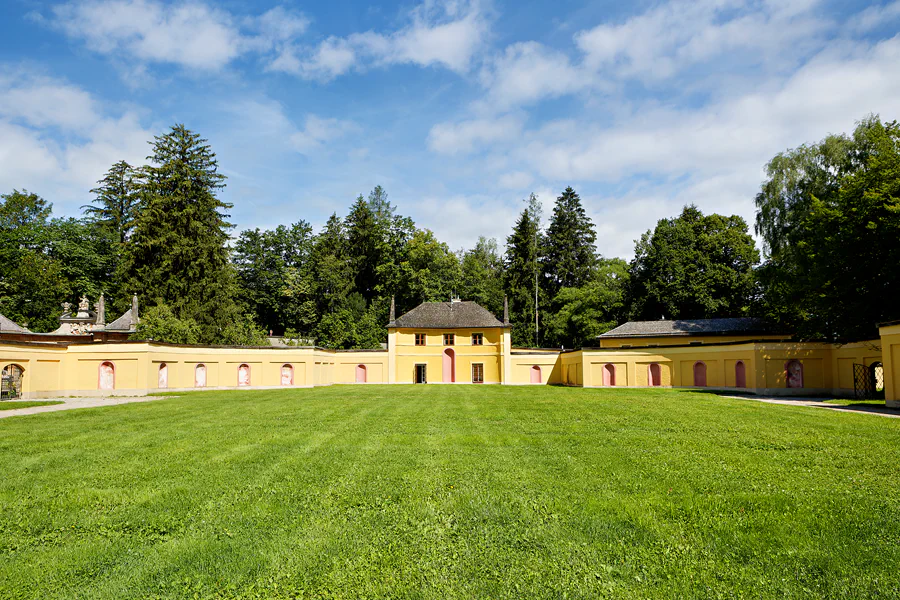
177 253
569 253
366 239
381 207
331 267
522 266
116 200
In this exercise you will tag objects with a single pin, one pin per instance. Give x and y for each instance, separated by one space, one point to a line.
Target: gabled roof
688 327
447 315
126 322
11 326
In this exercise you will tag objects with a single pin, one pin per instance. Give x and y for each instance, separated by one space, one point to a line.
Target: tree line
828 215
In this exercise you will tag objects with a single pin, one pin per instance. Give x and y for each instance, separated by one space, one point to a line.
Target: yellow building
448 342
462 343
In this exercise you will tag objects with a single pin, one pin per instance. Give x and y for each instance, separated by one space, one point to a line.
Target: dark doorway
420 374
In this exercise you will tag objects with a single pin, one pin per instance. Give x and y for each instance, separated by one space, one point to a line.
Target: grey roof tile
126 322
688 327
10 325
447 315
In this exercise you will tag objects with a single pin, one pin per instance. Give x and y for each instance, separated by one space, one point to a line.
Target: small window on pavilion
477 339
420 339
449 338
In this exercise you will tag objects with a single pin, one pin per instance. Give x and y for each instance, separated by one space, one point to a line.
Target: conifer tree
522 265
569 253
366 245
331 267
177 252
116 200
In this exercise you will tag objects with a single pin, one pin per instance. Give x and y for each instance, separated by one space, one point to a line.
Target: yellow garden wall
524 360
53 370
890 351
75 370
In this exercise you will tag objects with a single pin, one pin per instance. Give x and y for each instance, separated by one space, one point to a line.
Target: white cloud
333 57
193 35
426 42
265 121
529 71
472 216
446 34
43 102
671 37
451 138
57 140
318 131
875 16
517 180
827 94
653 47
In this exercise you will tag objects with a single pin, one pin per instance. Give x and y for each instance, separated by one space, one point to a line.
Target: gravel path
881 411
73 403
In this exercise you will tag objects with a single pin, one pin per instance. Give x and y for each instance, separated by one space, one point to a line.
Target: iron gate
868 382
11 381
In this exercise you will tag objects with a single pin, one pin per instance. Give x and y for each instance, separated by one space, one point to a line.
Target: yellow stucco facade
141 367
890 351
767 365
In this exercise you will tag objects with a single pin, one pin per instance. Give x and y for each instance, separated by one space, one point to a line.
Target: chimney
505 310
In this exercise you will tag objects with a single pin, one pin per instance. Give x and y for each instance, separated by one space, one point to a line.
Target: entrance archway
535 374
449 366
11 386
360 373
700 374
654 375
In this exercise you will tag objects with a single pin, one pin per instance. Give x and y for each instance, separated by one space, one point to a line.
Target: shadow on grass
817 401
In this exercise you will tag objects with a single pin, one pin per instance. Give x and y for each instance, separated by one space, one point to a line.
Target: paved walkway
72 403
873 409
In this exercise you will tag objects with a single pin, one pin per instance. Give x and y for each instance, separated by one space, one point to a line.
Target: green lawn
14 404
449 492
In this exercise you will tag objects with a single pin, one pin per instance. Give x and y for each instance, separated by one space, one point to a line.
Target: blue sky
458 108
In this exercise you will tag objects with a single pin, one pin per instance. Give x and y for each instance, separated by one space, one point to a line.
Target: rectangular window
449 339
420 339
477 339
477 373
